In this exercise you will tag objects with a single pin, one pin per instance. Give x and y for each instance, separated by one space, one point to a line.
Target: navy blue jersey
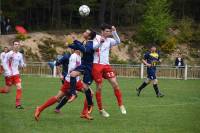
64 61
87 50
152 58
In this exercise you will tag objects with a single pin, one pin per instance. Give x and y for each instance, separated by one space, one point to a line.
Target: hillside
43 46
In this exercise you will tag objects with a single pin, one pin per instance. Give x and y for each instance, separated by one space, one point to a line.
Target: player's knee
155 81
114 83
99 87
18 86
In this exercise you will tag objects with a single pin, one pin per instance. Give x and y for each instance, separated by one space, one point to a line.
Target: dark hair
15 41
106 26
5 47
92 34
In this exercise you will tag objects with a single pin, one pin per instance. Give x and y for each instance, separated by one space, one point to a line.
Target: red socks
85 107
18 96
48 103
3 90
99 100
118 95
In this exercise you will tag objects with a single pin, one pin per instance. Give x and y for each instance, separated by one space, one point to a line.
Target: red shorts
100 71
66 86
12 80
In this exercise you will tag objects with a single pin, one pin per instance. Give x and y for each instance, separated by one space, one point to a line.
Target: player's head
106 30
89 34
153 49
5 49
16 45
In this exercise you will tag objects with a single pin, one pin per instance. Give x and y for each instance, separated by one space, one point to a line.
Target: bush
196 35
156 22
47 49
22 37
186 30
169 45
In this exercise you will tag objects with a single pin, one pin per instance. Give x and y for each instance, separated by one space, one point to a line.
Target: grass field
177 112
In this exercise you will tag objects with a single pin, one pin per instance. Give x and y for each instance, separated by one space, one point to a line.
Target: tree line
58 14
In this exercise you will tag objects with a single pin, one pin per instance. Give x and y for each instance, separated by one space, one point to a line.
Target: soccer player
151 59
102 69
85 68
11 63
62 62
74 61
2 56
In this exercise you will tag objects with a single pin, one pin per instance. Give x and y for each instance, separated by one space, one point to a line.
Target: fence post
185 73
54 69
142 71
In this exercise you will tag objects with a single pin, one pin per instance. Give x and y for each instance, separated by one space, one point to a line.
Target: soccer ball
84 10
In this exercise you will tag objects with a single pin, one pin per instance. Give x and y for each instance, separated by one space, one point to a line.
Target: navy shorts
86 70
151 73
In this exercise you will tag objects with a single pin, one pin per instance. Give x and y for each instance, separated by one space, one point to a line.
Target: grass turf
177 112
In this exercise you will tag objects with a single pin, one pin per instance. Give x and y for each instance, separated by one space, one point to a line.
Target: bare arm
145 62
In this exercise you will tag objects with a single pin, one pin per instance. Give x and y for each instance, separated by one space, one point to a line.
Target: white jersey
2 56
74 61
101 55
11 63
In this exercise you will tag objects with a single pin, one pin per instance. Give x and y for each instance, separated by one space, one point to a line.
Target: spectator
179 63
8 26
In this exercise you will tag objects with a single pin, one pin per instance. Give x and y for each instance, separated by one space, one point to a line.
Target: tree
156 22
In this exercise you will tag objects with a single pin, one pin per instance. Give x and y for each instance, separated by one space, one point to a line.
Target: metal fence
124 70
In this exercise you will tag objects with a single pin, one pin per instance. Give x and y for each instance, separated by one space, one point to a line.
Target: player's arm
72 63
97 44
115 40
59 63
146 56
21 62
145 62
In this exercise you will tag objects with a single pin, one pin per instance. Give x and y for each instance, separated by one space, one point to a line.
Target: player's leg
61 103
86 112
97 73
142 86
18 96
17 81
118 94
5 89
109 74
48 103
73 76
155 86
87 81
8 84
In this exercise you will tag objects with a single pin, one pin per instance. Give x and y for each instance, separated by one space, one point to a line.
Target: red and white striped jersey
11 63
74 61
101 55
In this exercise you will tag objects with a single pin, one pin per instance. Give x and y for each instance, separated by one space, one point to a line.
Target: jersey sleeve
146 56
115 40
62 60
72 62
96 44
21 62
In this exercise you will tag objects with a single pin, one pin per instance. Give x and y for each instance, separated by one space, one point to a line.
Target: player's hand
102 40
148 65
113 28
